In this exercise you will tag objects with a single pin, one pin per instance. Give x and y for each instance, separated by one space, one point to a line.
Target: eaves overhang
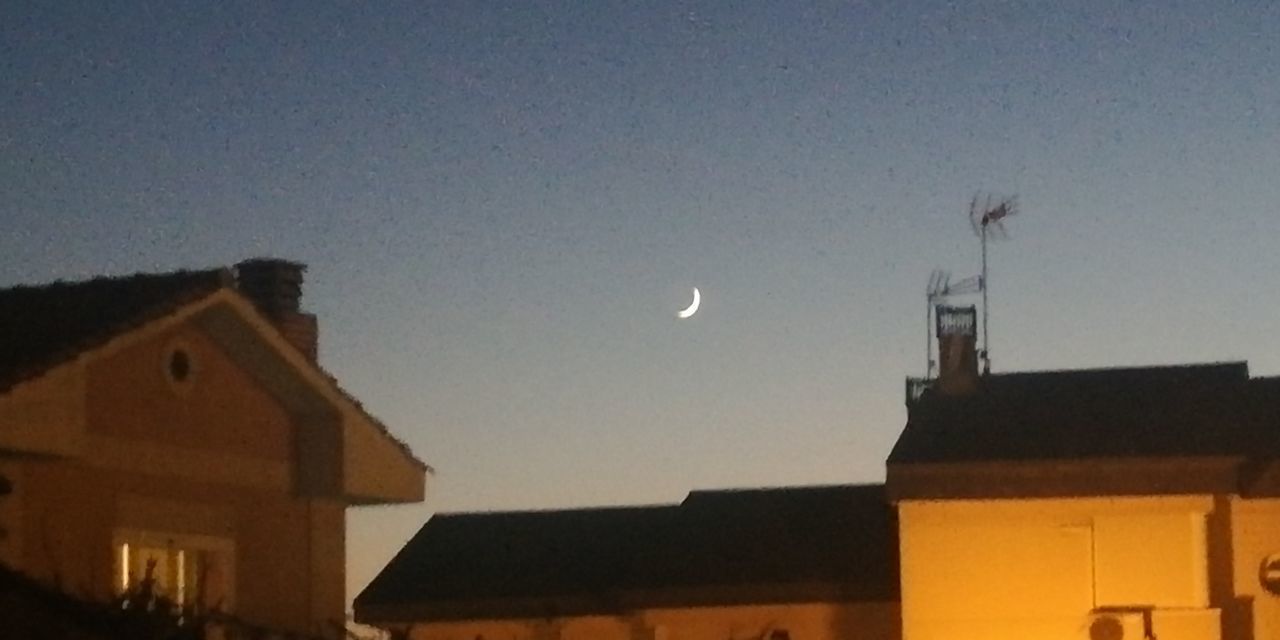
1062 478
617 602
347 452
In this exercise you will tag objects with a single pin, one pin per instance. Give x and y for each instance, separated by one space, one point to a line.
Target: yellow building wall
1255 525
1037 568
45 415
221 409
374 466
212 458
819 621
810 621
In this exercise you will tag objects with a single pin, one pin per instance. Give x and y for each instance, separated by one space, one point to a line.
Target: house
1091 504
770 564
1099 504
178 426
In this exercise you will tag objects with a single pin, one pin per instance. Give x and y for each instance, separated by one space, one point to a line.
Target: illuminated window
185 570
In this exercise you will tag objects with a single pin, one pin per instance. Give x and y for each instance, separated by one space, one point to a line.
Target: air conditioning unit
1117 624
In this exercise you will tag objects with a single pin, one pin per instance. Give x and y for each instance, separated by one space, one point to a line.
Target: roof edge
1081 478
618 602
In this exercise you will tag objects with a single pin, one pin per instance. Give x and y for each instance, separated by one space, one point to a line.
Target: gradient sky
504 204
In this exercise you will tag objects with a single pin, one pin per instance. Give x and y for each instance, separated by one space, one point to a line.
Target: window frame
218 554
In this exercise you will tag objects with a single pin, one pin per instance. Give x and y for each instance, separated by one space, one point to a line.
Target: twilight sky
503 205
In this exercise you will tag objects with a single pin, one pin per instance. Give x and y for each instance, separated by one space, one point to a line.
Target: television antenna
940 288
987 216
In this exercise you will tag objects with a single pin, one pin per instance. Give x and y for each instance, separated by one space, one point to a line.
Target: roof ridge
786 488
557 511
1187 366
223 275
47 325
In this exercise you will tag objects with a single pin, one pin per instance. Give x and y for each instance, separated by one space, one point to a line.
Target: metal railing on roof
916 387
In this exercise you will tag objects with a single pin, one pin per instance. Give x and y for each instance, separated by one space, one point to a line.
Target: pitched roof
515 554
44 326
717 547
1157 415
830 534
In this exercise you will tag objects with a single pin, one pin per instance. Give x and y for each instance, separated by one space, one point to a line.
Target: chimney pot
957 329
274 286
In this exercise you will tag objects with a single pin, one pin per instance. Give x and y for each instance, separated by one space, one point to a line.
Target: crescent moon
692 308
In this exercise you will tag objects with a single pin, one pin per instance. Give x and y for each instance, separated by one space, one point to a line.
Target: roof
829 543
1149 423
44 326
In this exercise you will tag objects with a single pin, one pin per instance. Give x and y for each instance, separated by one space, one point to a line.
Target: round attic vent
179 366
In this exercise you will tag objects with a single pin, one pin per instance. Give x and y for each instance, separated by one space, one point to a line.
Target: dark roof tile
1151 412
44 326
716 547
1100 416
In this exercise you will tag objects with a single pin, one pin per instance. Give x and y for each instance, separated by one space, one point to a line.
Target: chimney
957 349
274 286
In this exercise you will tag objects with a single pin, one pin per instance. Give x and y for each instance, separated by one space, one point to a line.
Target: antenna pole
986 338
928 337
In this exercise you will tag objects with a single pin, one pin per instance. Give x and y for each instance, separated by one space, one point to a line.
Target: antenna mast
986 323
987 221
